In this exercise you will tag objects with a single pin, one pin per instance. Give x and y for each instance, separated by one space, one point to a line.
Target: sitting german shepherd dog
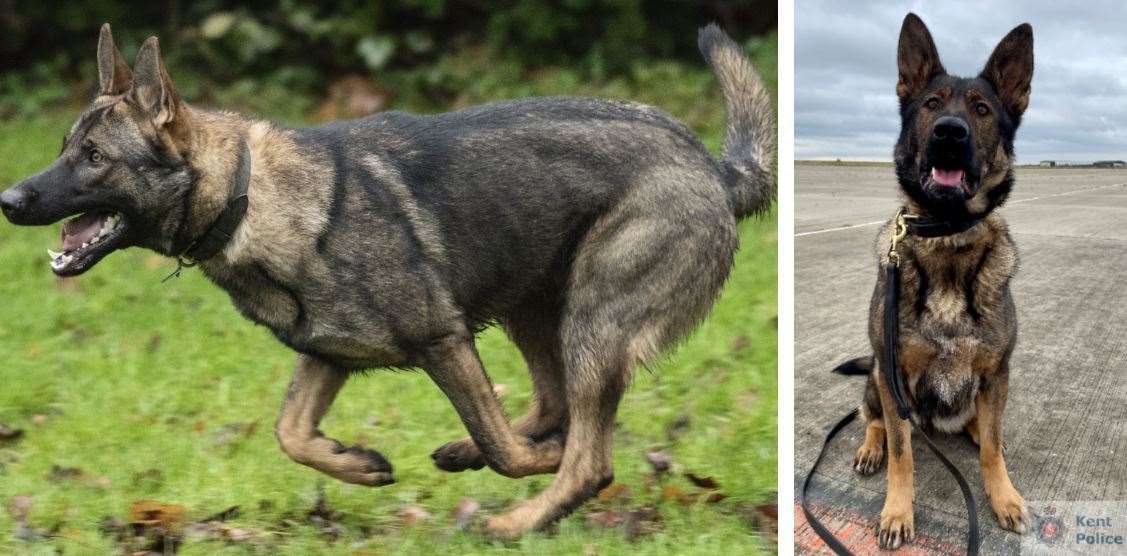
958 324
596 232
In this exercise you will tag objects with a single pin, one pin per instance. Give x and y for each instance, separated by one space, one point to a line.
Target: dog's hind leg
453 363
314 386
871 452
536 333
640 280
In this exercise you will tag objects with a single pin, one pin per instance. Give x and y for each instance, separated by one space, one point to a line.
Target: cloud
845 57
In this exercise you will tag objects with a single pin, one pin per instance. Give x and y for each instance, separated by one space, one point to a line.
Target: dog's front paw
1011 511
868 458
459 455
897 527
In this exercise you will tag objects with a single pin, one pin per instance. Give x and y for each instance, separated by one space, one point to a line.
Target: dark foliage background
303 47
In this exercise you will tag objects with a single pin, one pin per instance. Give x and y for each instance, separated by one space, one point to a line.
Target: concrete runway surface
1066 420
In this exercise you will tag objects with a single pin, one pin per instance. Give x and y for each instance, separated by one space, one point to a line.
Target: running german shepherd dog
596 232
958 325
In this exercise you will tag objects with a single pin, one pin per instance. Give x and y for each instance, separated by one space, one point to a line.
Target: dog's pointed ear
152 88
1010 69
916 58
114 75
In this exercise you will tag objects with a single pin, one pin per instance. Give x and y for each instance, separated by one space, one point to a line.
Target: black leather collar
223 229
925 226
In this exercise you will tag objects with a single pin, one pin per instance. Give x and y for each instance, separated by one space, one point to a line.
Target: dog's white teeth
85 245
53 254
61 261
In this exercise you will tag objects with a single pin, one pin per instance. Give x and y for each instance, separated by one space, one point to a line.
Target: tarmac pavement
1066 420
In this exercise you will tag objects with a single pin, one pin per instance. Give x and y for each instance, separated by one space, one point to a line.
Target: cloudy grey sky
845 101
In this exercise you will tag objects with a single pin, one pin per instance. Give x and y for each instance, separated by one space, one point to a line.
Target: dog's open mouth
86 239
949 180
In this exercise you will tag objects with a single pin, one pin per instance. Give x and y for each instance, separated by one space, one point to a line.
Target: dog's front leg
314 387
1006 501
897 521
453 364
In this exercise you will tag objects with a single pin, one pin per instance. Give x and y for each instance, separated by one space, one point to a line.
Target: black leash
894 380
223 229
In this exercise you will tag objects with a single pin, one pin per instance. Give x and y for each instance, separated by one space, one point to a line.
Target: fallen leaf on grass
212 529
671 493
740 343
702 482
660 460
607 519
411 515
765 519
153 513
231 432
225 515
614 490
642 522
19 507
463 513
112 526
154 343
59 474
9 434
675 429
715 496
27 533
154 527
39 419
636 523
324 518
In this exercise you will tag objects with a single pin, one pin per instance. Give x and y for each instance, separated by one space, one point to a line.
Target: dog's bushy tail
750 141
856 367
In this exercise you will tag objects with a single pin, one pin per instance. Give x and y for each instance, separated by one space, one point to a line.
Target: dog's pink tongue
949 178
81 230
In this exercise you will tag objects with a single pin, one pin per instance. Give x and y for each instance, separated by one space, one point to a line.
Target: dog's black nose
15 200
950 128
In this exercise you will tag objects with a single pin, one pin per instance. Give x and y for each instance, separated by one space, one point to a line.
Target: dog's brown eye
932 103
96 156
982 109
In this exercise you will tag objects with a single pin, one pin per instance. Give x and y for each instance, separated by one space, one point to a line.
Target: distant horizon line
889 160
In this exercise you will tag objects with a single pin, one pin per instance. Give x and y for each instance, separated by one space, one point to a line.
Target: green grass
120 375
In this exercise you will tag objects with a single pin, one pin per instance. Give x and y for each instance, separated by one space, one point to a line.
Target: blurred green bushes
290 51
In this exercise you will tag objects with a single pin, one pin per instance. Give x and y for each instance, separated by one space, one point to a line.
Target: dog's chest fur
956 318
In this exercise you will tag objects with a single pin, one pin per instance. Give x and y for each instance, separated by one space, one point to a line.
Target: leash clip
182 262
898 236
